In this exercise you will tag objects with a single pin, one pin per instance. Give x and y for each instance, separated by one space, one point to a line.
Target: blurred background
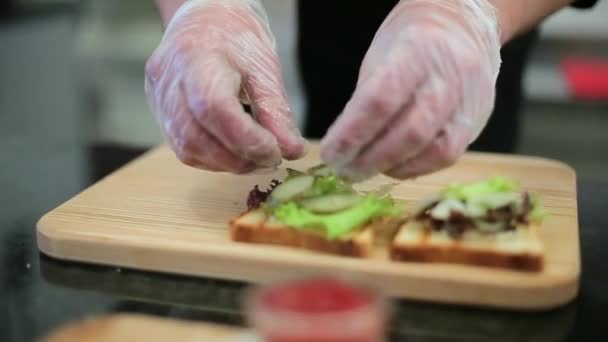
72 75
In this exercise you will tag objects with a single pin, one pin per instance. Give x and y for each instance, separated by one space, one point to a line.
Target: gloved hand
214 53
425 91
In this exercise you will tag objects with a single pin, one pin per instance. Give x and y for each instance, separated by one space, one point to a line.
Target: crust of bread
456 255
483 254
255 227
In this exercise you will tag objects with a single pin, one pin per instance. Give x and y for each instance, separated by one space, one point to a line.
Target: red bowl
318 309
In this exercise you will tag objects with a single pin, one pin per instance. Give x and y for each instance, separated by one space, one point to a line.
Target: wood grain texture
131 327
157 214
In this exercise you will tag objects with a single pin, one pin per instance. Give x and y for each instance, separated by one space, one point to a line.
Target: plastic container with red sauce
317 310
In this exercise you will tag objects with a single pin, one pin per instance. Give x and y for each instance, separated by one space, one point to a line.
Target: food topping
488 207
339 223
292 188
330 203
257 197
321 201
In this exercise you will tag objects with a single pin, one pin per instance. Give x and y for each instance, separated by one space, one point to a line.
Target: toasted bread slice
256 227
519 249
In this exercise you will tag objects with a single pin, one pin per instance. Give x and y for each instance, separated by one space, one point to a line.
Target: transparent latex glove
425 91
213 54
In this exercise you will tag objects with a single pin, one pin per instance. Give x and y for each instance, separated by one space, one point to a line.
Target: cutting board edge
552 293
124 326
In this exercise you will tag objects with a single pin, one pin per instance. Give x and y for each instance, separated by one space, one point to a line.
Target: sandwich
317 210
489 223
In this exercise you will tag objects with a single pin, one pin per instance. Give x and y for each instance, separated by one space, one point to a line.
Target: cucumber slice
383 190
320 170
291 173
330 203
291 188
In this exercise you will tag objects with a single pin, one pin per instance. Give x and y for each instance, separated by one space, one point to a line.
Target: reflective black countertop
38 293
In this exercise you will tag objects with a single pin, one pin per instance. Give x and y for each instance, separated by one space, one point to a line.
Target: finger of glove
192 144
374 104
410 132
212 89
263 83
201 150
444 151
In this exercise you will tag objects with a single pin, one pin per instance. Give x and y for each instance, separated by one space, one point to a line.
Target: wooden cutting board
157 214
131 327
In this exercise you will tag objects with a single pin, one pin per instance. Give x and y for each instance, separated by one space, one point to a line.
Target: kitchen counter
40 293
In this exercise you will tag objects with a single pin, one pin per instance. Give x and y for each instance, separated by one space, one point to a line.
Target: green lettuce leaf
538 212
340 223
468 191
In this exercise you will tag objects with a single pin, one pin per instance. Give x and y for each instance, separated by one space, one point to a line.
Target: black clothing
333 41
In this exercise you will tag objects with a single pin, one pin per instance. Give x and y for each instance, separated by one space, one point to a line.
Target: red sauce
307 301
316 296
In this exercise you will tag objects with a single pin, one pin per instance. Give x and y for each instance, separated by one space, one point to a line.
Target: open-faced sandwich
316 210
489 223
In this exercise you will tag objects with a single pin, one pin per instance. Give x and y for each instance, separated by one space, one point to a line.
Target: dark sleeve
584 3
